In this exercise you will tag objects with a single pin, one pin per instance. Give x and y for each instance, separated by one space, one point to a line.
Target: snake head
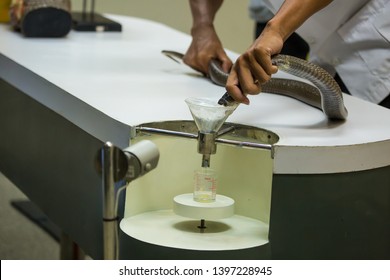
175 56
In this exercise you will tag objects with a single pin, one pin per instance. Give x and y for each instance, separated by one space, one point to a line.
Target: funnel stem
206 146
206 160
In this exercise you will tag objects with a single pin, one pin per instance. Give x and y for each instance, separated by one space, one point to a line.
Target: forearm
293 13
205 43
203 12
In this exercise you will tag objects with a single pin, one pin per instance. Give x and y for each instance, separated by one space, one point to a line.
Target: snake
325 93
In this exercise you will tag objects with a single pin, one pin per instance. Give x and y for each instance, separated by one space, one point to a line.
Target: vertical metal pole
92 8
84 11
110 218
69 250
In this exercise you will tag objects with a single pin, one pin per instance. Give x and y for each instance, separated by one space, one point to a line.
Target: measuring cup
205 184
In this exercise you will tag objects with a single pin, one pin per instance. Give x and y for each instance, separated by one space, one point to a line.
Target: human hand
205 46
254 67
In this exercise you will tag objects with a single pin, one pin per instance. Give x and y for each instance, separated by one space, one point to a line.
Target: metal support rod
92 11
69 250
167 132
117 166
217 140
110 219
84 7
223 131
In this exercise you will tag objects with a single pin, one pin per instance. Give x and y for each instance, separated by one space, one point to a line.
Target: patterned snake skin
326 95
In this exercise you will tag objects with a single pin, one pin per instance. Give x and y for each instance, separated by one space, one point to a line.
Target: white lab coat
352 37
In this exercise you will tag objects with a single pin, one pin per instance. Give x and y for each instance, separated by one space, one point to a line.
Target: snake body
325 95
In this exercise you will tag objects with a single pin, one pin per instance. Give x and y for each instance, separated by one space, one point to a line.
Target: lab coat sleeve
382 23
317 29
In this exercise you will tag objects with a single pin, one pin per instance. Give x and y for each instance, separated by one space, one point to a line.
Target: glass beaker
205 184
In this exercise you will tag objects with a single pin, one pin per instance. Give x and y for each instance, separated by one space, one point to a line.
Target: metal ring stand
117 165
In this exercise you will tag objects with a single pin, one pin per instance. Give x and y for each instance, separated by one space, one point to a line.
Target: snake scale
325 95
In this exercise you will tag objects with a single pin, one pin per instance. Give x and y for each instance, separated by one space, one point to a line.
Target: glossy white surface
125 76
236 232
184 205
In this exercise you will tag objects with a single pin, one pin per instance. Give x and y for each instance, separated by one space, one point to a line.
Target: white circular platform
165 228
185 205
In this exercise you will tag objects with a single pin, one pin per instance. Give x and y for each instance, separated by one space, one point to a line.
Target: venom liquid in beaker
205 184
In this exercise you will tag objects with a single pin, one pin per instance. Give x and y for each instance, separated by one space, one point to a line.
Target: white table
89 88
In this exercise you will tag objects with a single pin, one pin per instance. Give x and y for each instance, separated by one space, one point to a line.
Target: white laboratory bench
60 99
